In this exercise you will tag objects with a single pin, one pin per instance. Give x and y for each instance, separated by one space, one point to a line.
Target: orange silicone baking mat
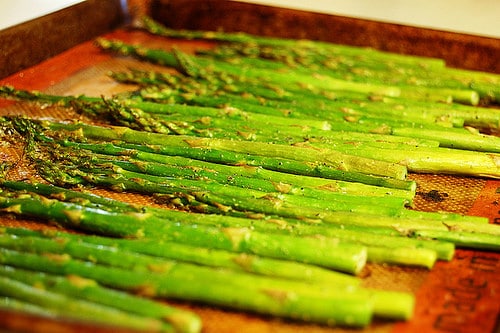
457 296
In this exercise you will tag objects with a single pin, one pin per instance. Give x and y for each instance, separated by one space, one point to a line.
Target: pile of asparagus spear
279 168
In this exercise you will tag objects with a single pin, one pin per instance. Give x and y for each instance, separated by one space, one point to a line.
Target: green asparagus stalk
259 113
100 254
210 257
409 254
447 137
134 229
310 53
240 97
462 239
338 219
109 252
417 159
403 251
339 255
227 198
320 47
440 113
323 156
267 101
276 164
271 128
8 304
442 160
85 198
444 250
431 160
72 308
227 289
151 184
424 89
458 139
297 127
188 65
157 144
88 290
251 68
232 172
313 127
212 120
209 178
452 138
483 82
241 197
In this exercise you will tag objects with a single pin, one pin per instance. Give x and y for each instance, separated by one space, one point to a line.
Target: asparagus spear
160 143
321 47
239 96
130 227
424 89
227 289
381 300
274 164
182 62
211 121
16 306
184 218
461 138
444 250
462 239
207 180
329 218
241 197
102 250
343 256
231 172
72 308
425 159
291 77
230 108
220 181
211 257
415 163
324 156
226 198
85 289
334 56
406 253
447 137
452 138
259 206
443 114
432 160
479 164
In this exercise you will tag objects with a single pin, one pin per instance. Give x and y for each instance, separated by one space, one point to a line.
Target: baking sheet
459 296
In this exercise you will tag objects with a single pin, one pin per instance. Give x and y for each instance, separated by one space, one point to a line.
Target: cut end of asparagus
393 304
184 322
360 260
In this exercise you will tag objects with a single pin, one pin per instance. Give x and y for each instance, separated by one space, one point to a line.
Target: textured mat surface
470 282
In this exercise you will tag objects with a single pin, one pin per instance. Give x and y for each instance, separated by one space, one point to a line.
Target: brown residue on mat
433 195
445 192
